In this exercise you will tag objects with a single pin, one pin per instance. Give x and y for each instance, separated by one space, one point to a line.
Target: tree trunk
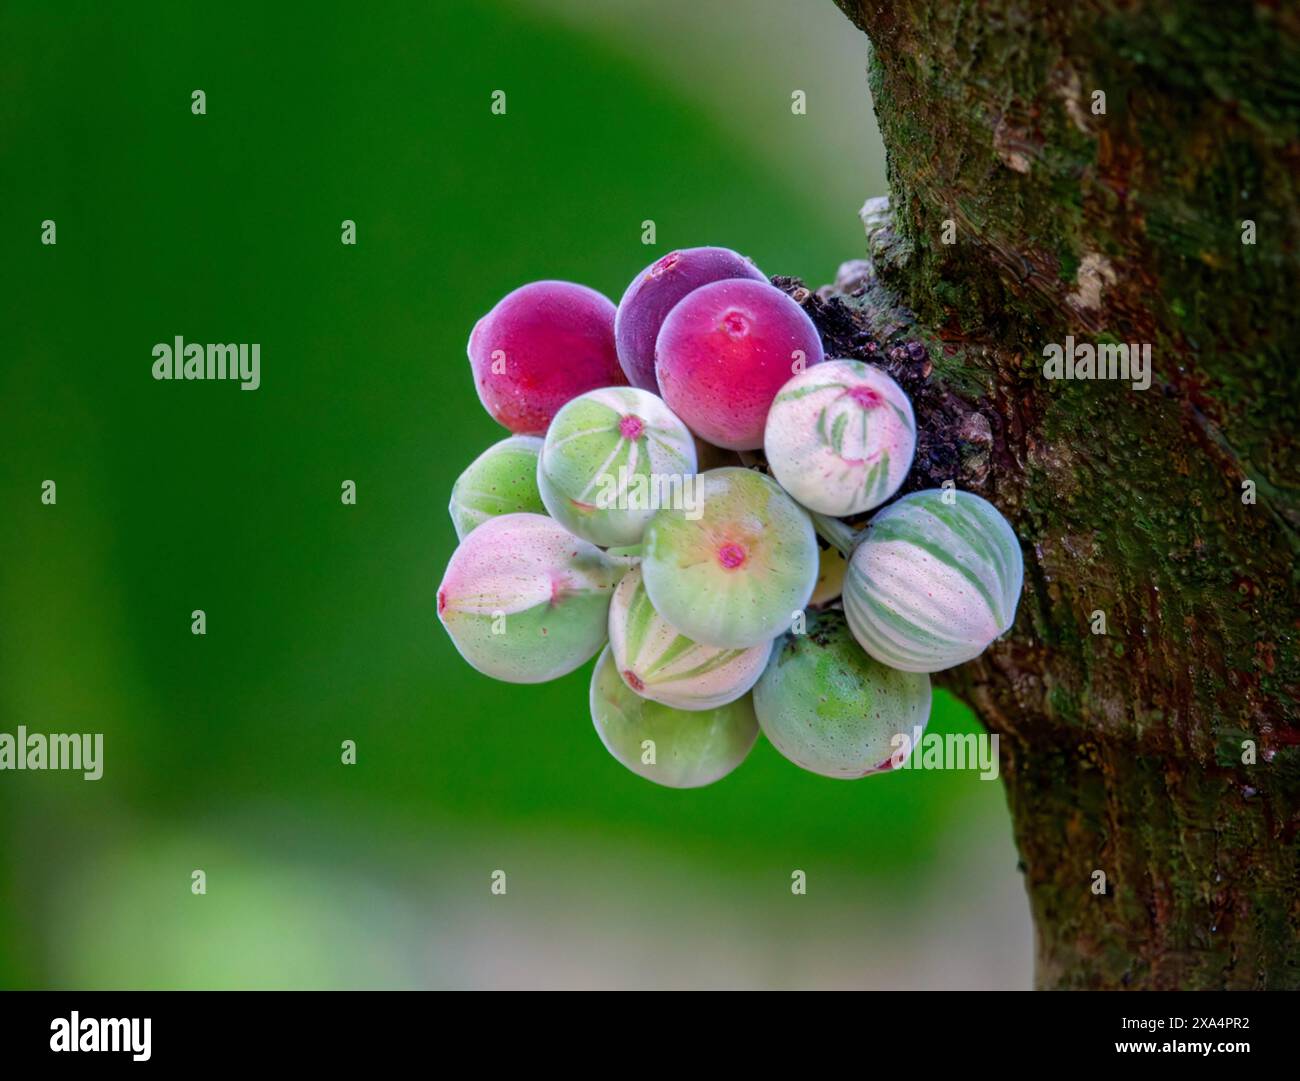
1163 752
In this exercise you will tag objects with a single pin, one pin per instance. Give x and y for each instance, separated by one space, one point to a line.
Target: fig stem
837 534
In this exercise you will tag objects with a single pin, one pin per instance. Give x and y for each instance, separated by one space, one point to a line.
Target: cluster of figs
629 514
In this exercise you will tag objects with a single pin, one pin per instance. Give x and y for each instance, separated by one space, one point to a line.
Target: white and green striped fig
659 662
526 601
934 582
828 707
735 574
673 747
610 460
840 437
501 480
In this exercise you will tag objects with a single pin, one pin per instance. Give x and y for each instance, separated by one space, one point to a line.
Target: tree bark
1127 752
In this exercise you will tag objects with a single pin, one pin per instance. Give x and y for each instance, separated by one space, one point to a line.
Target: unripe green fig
658 662
672 747
935 580
610 460
736 572
501 480
526 601
828 707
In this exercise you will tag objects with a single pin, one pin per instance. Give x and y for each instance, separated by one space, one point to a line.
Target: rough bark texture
1126 752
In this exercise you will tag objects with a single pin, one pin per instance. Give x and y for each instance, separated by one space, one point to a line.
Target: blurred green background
222 752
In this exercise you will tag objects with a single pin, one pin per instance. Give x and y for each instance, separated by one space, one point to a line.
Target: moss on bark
1124 750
